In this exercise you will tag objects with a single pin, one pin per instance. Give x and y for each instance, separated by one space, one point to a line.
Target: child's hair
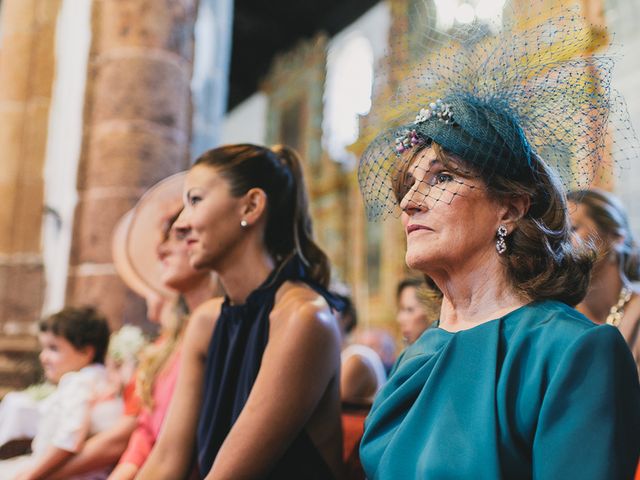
82 327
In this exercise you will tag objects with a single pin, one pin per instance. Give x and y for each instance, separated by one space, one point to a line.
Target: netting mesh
501 99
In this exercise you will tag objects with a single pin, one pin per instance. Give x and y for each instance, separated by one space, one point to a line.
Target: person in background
412 316
381 341
362 372
159 365
258 394
600 218
74 343
174 291
362 376
125 346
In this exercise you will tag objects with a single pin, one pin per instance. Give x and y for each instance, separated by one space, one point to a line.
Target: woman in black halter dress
258 393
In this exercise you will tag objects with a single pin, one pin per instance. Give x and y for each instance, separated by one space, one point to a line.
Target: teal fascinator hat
504 98
485 134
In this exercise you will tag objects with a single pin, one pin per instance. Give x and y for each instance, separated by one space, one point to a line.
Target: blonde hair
155 356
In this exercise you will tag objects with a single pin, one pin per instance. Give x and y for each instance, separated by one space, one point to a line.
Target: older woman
512 382
600 217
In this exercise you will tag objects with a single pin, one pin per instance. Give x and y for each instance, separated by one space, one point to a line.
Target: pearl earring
243 223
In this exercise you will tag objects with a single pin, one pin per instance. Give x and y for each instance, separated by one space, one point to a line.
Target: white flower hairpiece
126 343
439 110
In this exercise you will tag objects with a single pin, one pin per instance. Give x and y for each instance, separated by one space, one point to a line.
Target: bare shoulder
299 306
207 312
302 327
202 321
296 302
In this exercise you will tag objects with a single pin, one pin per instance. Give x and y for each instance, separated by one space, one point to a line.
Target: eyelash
179 235
441 178
193 200
438 178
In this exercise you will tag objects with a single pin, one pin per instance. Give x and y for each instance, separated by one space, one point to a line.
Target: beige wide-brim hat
138 234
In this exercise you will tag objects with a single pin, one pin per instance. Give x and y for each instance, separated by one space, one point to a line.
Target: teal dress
540 393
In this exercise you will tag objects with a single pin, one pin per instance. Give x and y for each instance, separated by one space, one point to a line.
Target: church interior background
100 99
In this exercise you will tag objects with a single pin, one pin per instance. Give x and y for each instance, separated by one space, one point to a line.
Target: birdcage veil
502 98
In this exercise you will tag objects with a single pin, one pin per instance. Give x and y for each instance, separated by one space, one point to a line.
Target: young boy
74 343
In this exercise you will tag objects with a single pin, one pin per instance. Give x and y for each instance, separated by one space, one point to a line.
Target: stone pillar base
22 286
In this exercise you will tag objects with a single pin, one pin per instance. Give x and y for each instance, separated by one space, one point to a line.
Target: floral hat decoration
504 98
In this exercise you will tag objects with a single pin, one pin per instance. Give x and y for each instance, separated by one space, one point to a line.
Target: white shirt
19 416
71 414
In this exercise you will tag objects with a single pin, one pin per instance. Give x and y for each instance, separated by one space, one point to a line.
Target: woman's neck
474 296
243 271
199 293
603 292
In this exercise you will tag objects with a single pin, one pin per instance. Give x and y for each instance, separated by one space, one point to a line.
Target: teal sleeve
589 421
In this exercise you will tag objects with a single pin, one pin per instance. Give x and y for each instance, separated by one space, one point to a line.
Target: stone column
26 75
137 130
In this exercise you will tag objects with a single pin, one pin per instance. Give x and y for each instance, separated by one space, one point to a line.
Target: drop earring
501 245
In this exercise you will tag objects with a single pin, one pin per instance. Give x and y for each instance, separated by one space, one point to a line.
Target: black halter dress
233 360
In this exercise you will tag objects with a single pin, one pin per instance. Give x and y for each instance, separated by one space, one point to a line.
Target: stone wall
137 131
137 128
26 75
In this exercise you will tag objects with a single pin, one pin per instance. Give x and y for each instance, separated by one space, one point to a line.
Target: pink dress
150 421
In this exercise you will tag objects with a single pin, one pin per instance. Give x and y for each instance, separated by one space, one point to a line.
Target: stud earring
243 223
501 245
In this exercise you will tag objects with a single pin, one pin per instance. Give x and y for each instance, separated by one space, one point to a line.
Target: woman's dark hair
416 283
348 314
278 172
610 217
541 261
82 327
